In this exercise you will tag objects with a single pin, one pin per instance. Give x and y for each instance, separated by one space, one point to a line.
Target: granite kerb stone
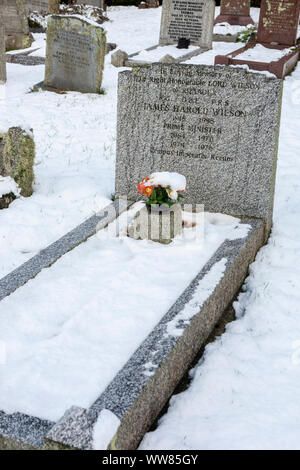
135 396
53 252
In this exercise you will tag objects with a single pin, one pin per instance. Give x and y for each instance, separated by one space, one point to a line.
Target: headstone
191 19
17 154
2 57
15 23
75 54
278 22
42 6
235 12
277 29
218 127
95 3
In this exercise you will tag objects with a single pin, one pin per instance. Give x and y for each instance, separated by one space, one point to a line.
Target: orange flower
148 190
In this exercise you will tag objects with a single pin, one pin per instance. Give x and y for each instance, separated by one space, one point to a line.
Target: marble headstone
191 19
2 57
217 126
75 54
278 22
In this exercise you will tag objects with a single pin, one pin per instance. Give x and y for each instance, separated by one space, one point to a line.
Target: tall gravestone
278 22
235 12
2 57
218 127
191 19
15 23
42 6
75 54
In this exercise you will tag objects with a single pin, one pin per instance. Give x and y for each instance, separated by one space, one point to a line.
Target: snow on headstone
191 19
218 127
75 54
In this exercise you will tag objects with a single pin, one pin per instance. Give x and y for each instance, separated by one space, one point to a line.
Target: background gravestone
42 6
15 22
278 22
95 3
75 54
2 57
219 127
191 19
235 12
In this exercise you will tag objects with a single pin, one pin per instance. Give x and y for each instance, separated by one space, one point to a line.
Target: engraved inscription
72 50
186 19
280 16
235 7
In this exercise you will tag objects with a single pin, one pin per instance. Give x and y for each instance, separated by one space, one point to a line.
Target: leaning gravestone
2 57
218 127
191 19
235 12
42 6
15 22
75 54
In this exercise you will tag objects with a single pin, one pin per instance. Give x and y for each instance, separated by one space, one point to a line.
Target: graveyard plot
69 332
278 30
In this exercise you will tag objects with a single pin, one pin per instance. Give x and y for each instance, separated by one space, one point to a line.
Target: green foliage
246 35
160 196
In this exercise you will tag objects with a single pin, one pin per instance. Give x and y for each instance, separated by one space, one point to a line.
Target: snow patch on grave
104 430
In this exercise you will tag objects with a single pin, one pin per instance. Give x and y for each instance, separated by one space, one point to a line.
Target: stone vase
157 223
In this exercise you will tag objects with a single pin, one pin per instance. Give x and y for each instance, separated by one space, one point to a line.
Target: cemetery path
244 392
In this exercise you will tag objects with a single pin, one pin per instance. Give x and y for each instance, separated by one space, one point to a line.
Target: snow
244 392
167 179
259 53
105 428
8 185
229 29
71 329
156 54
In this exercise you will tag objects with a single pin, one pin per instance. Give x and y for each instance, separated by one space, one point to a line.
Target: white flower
172 194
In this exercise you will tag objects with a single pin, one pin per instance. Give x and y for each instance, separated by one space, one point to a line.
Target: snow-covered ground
70 330
245 392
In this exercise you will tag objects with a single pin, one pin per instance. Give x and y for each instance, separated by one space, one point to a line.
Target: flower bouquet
162 188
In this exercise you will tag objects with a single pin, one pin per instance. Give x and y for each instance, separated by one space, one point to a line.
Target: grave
235 12
74 55
42 6
190 19
218 127
277 34
2 57
15 22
